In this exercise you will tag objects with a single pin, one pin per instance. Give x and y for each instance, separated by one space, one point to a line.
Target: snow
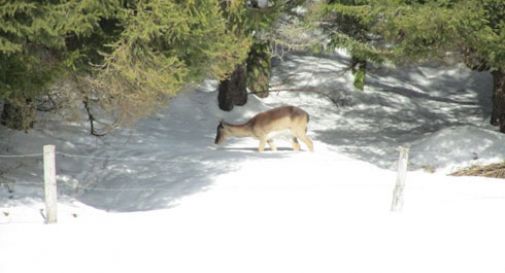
161 197
457 147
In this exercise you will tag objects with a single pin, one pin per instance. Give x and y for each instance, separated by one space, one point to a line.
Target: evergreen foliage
135 53
257 20
27 30
418 30
259 68
164 45
349 25
424 30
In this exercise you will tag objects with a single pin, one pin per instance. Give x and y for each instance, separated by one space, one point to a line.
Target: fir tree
164 46
472 31
255 20
132 55
30 44
348 23
425 30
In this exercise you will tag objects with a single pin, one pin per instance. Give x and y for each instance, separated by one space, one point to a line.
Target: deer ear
221 123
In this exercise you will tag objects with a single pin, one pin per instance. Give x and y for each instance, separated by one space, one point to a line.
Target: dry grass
493 170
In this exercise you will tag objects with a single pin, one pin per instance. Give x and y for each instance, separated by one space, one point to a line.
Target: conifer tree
132 55
29 40
427 30
348 23
256 20
259 69
471 31
165 45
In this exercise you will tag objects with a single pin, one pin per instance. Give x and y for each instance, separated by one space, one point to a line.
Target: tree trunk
498 111
233 91
19 114
259 69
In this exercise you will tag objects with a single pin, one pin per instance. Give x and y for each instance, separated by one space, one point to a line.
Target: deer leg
271 144
296 145
306 140
263 142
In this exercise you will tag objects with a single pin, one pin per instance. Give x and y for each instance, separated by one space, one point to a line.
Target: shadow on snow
398 106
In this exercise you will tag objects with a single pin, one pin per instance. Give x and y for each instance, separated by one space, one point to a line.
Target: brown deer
264 124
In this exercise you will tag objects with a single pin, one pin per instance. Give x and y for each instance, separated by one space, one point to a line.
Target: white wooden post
400 179
50 190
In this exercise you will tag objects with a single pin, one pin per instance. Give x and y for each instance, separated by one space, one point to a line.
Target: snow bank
458 147
191 206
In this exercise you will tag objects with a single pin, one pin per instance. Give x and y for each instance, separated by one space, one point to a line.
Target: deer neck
240 130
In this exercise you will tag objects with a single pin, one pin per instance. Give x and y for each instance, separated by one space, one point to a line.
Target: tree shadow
399 105
140 185
150 166
166 158
267 152
310 72
399 115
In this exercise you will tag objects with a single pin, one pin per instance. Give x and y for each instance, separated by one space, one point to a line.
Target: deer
263 125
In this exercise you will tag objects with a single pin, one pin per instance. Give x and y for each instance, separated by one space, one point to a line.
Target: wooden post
50 190
397 203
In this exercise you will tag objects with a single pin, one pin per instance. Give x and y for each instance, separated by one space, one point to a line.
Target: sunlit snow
161 197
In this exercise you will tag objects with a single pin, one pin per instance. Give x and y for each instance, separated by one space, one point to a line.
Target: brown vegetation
496 170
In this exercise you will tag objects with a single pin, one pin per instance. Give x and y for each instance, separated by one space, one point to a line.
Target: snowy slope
194 207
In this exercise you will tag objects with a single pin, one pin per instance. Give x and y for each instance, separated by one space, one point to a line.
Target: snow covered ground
161 197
